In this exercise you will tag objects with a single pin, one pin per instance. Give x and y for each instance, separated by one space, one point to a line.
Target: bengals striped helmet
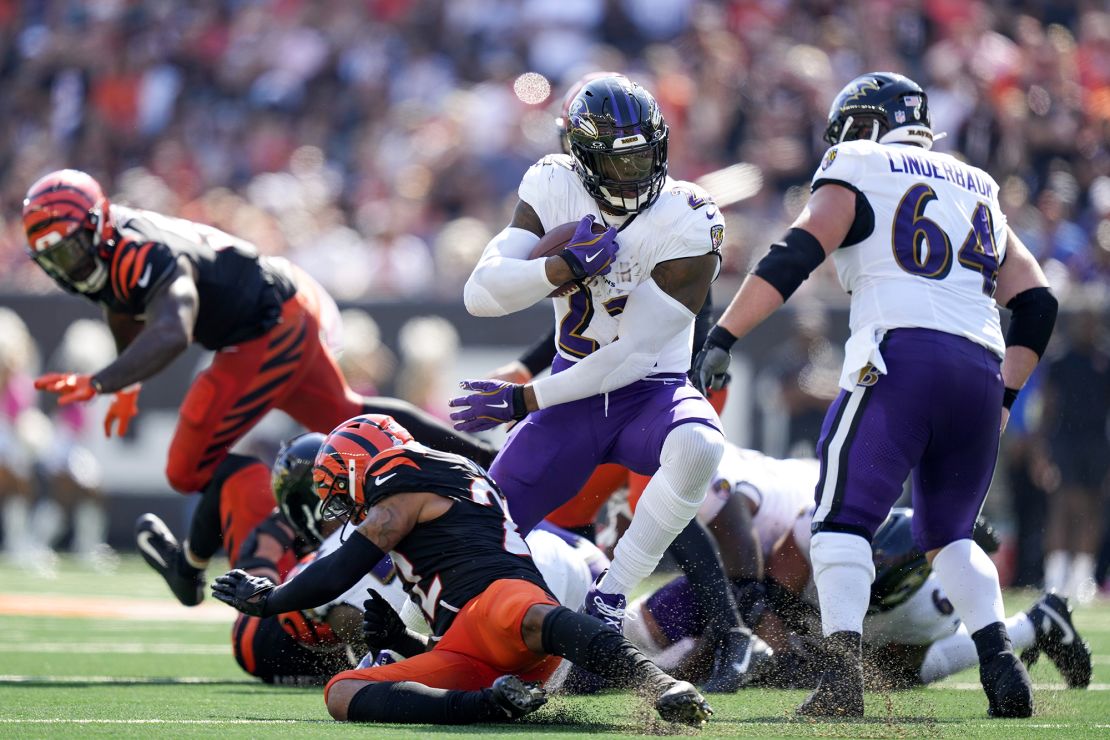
65 216
344 458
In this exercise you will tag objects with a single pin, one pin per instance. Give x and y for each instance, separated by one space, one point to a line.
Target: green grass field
145 667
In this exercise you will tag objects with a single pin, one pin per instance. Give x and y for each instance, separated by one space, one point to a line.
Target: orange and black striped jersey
447 561
240 293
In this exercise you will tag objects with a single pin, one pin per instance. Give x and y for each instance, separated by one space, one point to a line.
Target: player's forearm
650 321
1017 366
504 281
753 303
154 348
327 578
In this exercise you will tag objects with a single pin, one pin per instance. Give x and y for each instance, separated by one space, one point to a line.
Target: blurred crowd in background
378 143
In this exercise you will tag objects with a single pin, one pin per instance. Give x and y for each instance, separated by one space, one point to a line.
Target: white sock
970 581
671 499
1022 631
1056 566
47 522
90 527
16 514
955 653
1081 580
843 569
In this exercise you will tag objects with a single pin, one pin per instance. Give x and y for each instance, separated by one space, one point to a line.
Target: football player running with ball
495 625
618 390
921 244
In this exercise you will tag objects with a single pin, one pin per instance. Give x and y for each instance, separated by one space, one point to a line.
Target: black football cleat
161 551
515 698
1058 639
1007 685
683 704
839 692
738 658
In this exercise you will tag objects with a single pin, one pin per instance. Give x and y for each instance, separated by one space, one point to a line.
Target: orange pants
482 644
288 368
581 511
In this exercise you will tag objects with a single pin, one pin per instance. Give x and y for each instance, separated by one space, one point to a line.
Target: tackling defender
458 551
618 391
921 244
165 283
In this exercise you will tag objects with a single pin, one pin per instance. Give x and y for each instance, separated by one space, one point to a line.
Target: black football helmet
900 567
881 106
618 138
293 488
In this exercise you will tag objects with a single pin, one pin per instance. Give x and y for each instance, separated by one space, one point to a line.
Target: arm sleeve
540 355
650 320
505 280
326 578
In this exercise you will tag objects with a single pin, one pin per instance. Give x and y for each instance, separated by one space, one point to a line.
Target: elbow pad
791 261
1032 317
480 302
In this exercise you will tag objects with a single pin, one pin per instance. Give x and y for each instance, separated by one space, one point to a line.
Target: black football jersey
451 559
240 293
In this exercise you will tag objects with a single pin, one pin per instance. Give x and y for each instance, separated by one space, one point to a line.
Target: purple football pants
551 453
935 416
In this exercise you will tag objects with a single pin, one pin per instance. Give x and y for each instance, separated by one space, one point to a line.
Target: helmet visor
71 258
631 168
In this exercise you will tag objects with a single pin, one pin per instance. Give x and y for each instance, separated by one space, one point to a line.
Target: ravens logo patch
830 157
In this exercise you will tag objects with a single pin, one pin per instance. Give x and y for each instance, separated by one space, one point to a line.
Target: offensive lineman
609 399
911 635
921 244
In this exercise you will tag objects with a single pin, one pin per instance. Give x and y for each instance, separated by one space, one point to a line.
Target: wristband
1009 395
720 337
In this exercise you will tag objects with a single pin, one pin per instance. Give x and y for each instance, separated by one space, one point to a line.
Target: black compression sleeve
540 355
408 702
326 578
791 261
428 430
695 551
410 643
1032 317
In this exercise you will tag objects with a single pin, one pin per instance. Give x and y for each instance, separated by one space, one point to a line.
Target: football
553 242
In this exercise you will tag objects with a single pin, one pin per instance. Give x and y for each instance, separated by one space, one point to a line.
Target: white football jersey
932 254
683 222
780 489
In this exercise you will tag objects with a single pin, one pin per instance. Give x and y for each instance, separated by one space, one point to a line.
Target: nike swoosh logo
742 666
502 405
143 540
1069 633
145 279
593 256
383 478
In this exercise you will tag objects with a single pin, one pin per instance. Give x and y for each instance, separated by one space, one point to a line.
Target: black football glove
381 624
710 367
244 592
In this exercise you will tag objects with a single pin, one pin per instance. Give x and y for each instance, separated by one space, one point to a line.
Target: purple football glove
590 254
489 403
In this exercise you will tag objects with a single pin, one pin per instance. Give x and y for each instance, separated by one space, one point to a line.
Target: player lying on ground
921 243
165 283
911 635
495 625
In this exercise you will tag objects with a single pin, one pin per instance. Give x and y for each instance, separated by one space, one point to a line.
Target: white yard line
960 686
69 721
109 680
132 648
